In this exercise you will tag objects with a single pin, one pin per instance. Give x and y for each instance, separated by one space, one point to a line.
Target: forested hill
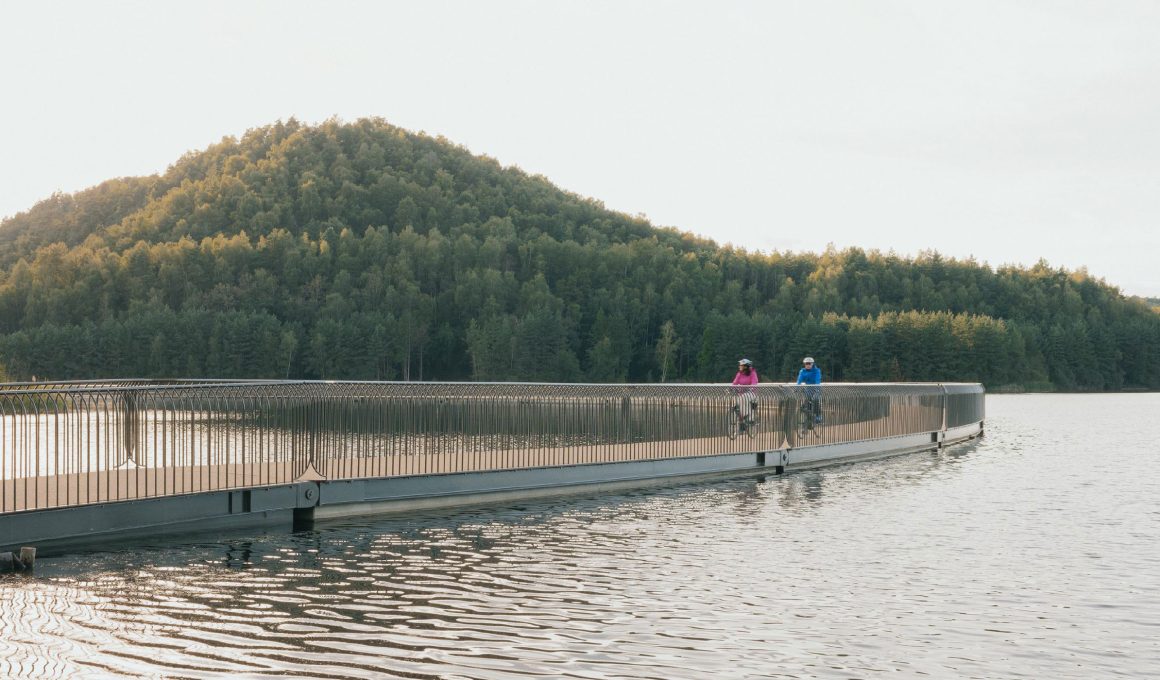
363 251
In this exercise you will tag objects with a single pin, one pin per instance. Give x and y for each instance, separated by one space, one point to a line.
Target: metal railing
81 443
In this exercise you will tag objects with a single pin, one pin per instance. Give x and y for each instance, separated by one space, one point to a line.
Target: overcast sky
1009 131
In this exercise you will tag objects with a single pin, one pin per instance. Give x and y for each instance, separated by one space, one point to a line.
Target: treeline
362 251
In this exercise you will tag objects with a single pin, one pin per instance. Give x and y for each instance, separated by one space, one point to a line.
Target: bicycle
809 418
739 423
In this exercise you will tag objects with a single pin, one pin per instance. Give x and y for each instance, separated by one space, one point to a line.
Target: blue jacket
810 376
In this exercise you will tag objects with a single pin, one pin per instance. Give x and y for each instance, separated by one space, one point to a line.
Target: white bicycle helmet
745 362
808 360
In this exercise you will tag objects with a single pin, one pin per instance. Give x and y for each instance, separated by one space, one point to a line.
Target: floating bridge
87 462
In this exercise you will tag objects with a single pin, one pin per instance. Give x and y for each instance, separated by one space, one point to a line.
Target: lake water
1032 553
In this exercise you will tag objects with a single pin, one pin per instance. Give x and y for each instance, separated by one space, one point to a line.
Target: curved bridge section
82 462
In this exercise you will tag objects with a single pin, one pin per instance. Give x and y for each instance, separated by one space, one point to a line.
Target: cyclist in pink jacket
746 373
746 397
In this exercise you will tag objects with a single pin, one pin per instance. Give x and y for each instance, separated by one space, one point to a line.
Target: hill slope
351 251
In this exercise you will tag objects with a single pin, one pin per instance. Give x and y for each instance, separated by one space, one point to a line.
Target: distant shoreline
1020 389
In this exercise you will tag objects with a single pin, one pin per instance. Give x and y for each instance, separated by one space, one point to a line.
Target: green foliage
362 251
666 348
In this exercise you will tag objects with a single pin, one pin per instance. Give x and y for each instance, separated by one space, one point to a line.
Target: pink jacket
742 379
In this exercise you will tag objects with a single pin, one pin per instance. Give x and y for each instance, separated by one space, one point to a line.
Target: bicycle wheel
751 426
805 421
733 424
814 418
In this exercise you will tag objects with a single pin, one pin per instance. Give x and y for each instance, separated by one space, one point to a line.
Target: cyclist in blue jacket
811 376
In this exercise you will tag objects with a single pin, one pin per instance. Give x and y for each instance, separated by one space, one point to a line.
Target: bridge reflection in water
224 453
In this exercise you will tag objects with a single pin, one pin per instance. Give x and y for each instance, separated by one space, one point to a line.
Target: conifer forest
361 251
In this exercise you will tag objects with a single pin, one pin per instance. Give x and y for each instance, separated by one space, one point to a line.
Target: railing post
130 427
312 422
626 418
946 405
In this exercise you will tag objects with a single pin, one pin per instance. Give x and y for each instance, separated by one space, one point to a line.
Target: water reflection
493 592
801 488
